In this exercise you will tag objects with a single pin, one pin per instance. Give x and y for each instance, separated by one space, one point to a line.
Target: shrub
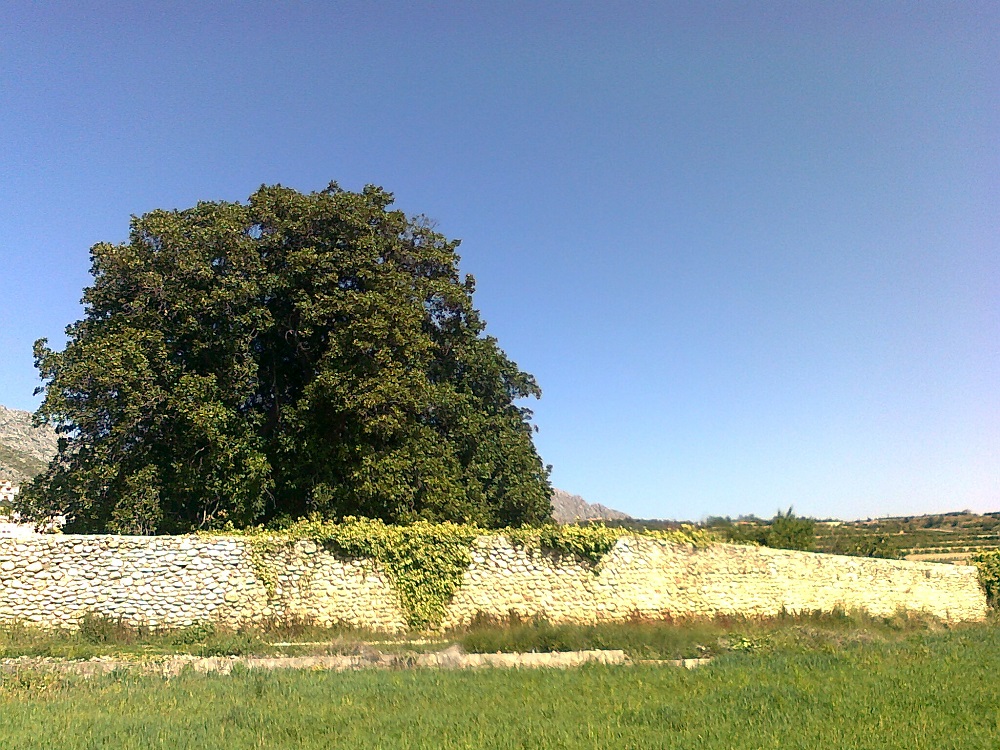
988 564
96 628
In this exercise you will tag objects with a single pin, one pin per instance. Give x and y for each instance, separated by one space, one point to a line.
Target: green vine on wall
425 562
988 565
686 534
593 542
264 550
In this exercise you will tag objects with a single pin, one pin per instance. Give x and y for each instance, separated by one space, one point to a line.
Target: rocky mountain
24 450
567 508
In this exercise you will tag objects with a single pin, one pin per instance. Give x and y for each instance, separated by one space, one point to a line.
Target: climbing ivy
686 534
425 562
593 542
264 550
988 565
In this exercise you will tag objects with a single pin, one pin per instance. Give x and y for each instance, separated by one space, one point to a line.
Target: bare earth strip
958 558
448 659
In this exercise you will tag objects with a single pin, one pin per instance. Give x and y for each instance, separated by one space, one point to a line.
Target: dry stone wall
178 581
655 579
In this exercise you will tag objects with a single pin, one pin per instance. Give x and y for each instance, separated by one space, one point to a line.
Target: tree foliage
784 531
298 354
788 531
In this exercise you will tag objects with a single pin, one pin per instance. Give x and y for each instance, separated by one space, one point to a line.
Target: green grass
100 636
684 639
933 690
640 639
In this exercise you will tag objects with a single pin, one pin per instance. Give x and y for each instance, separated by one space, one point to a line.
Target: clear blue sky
751 251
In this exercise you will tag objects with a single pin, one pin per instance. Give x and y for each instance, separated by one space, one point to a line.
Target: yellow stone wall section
655 579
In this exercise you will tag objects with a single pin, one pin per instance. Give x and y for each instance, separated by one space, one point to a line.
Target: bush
988 564
788 531
197 633
240 643
97 628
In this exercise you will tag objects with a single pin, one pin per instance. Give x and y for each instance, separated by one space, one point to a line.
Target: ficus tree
297 354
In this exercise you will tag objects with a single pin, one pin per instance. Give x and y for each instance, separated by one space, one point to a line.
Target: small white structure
10 525
8 491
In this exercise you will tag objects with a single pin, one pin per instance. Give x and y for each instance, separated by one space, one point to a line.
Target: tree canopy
298 354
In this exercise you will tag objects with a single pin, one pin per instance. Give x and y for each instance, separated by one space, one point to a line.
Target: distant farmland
945 537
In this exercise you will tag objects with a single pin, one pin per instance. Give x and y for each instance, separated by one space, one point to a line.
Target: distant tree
788 531
718 522
297 354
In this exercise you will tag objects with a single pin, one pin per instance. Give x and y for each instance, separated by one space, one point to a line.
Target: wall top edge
105 540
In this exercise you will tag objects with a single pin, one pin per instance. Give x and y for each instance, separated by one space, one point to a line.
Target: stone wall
176 581
657 579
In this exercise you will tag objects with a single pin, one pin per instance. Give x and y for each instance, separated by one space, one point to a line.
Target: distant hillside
24 450
567 508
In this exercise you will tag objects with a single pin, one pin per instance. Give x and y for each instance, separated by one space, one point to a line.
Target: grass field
925 688
99 636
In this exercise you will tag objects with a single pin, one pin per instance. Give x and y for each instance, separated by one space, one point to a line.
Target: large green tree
296 354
